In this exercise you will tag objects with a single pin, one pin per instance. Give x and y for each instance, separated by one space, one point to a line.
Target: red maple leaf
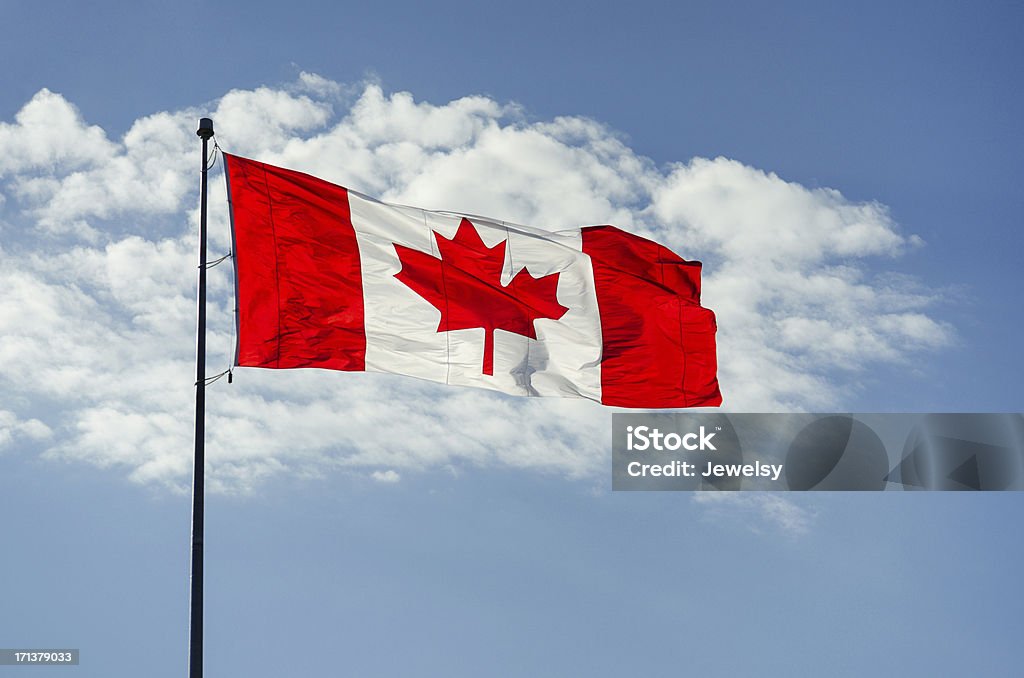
464 284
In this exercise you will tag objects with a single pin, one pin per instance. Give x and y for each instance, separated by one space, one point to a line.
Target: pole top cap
205 128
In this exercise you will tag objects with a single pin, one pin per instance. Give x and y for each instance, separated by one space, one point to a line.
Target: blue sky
849 175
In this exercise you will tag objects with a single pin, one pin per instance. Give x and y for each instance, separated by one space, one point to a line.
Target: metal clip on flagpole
195 653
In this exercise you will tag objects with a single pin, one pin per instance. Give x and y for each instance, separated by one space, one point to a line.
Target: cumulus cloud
98 263
11 427
65 174
49 135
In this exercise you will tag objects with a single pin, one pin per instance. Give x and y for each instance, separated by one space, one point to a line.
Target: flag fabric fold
329 278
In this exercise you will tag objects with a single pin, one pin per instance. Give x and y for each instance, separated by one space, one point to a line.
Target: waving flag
327 277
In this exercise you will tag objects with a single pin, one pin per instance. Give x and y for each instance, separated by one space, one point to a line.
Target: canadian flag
327 277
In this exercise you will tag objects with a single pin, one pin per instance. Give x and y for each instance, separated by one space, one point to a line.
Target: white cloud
389 476
758 510
11 427
66 174
98 268
49 135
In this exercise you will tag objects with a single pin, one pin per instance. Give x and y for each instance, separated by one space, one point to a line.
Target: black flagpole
195 650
